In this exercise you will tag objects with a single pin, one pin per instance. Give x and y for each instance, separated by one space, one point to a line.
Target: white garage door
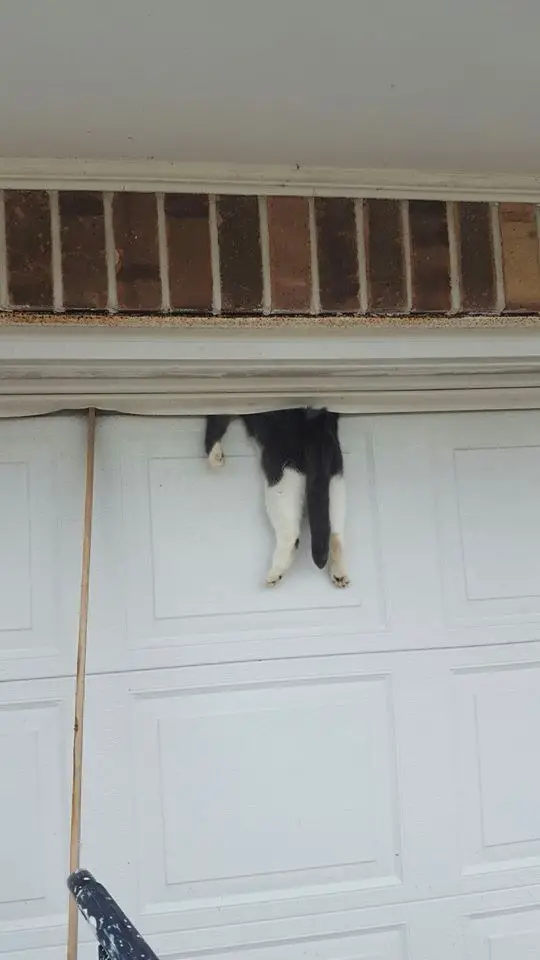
41 491
301 773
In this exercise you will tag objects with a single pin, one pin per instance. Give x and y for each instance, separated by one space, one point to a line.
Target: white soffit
397 85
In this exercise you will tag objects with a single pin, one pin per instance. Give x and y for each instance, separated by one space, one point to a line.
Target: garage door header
193 371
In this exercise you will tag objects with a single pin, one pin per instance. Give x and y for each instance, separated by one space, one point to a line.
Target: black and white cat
302 461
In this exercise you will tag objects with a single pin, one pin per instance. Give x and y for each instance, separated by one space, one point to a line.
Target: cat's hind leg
216 427
284 505
336 561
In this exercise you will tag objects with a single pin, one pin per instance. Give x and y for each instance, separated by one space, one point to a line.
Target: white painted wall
425 84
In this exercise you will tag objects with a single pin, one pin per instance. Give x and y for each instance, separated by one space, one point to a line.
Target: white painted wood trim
265 256
315 306
454 257
163 249
175 371
407 254
157 175
363 281
56 252
498 257
214 254
110 251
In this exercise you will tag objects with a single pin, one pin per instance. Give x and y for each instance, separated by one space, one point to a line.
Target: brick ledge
510 322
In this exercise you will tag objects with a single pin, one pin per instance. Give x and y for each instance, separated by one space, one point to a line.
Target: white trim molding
174 371
213 178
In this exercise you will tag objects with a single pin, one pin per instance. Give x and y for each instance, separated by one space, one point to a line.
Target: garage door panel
499 519
369 944
296 756
35 748
441 537
486 475
15 549
406 518
181 577
517 938
371 933
459 518
41 496
249 794
210 531
497 711
507 933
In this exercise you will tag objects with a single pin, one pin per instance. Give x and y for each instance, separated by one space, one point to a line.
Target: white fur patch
284 505
216 457
336 561
338 505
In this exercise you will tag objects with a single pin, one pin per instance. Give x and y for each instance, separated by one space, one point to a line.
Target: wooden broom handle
76 796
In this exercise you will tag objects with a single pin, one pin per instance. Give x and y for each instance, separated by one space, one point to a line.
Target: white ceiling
440 85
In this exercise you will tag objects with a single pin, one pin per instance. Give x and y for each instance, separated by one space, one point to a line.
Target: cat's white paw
274 577
340 579
216 457
336 566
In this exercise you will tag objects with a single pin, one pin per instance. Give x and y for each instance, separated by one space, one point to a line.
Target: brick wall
244 255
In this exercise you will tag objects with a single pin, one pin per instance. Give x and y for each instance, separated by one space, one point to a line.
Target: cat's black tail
319 449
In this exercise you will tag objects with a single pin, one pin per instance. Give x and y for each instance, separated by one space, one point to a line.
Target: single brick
430 256
337 254
84 266
290 254
521 266
137 251
383 225
28 241
475 244
188 243
240 253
